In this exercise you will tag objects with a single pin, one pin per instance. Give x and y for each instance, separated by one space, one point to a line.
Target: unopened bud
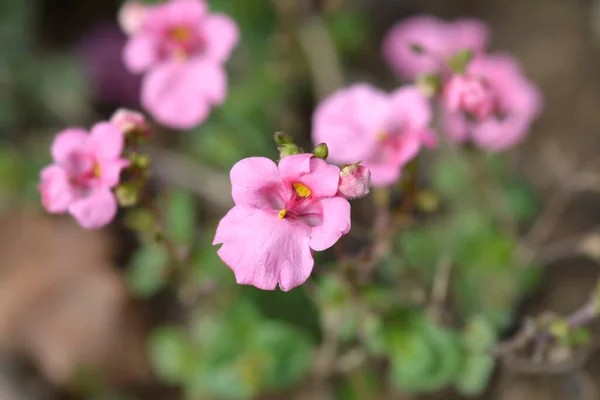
142 161
355 181
131 123
321 151
282 138
131 15
288 150
429 84
127 195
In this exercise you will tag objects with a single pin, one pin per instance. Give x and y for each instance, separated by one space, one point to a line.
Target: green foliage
147 272
181 217
234 356
348 30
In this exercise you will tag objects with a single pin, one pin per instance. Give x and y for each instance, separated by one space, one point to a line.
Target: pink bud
131 122
131 15
355 181
471 95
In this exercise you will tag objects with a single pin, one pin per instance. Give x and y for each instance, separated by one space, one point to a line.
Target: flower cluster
181 48
484 98
282 214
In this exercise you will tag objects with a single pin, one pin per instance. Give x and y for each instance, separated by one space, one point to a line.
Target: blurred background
90 314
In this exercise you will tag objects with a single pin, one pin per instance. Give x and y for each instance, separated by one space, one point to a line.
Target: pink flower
383 130
182 47
86 167
131 122
471 95
281 214
355 181
493 105
438 39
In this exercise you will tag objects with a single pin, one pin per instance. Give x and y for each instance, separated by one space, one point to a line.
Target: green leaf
181 217
169 353
475 374
459 62
479 335
348 30
521 199
146 273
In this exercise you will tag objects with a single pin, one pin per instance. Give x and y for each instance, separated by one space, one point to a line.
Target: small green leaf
169 353
479 335
146 273
475 374
459 62
181 217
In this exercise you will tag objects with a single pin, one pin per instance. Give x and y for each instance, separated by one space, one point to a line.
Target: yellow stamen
282 213
301 190
97 170
181 34
381 135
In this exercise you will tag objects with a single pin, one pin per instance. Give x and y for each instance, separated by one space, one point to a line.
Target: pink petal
67 142
411 108
263 250
319 176
383 174
55 190
336 222
96 210
106 141
496 135
140 53
110 171
177 13
221 34
348 122
470 33
255 182
291 167
180 94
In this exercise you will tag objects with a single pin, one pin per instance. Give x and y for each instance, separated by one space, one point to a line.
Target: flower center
181 34
301 205
84 170
301 189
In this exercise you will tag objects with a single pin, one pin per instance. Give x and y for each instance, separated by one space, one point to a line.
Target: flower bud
131 123
321 151
127 194
282 138
288 150
355 181
131 15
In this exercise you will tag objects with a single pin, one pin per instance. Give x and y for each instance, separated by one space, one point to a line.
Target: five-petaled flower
181 48
383 130
437 41
493 104
282 214
86 167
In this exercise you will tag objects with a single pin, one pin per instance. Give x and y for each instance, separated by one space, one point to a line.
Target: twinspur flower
86 167
181 48
493 104
282 214
436 40
383 130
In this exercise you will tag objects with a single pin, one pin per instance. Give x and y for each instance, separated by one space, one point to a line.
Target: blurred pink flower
129 122
438 39
86 167
355 181
384 131
182 47
281 214
496 105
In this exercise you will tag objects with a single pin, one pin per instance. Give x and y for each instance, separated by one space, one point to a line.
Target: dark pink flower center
84 170
182 42
301 205
478 99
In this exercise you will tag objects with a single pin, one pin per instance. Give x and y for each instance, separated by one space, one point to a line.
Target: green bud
429 84
321 151
143 161
127 194
458 63
288 150
282 138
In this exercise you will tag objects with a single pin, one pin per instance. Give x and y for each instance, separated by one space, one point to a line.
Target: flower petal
96 210
336 222
110 171
383 174
106 141
263 250
320 177
140 53
68 141
410 108
255 182
55 190
221 35
180 94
